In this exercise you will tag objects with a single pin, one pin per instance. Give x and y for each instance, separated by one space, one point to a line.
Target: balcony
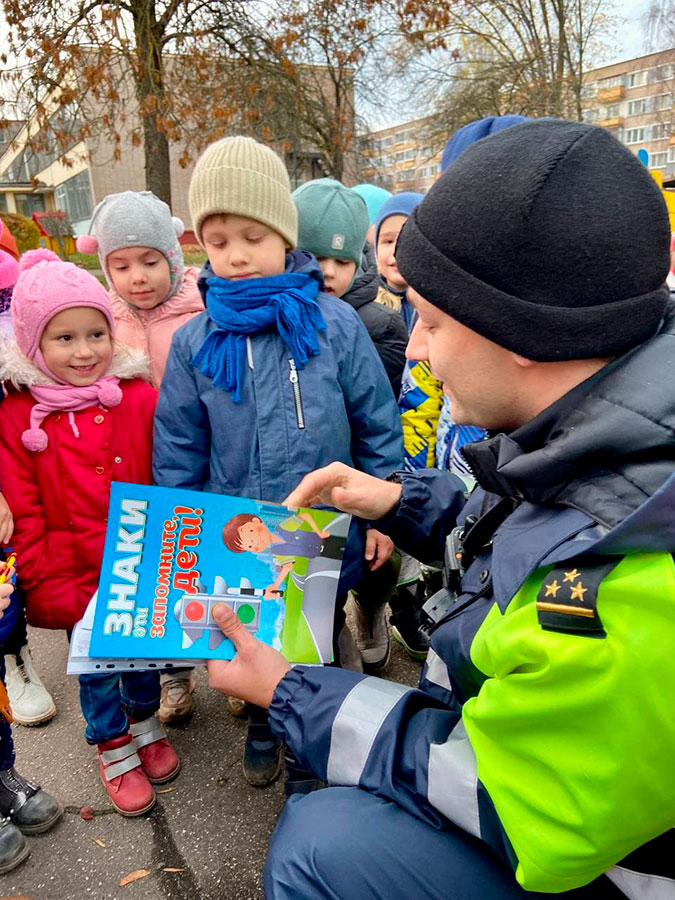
615 122
611 94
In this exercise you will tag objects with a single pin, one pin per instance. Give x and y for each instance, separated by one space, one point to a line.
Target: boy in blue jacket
275 378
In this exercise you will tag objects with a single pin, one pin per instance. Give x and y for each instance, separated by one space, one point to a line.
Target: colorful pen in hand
8 565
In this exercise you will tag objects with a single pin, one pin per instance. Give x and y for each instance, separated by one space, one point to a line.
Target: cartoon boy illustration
247 532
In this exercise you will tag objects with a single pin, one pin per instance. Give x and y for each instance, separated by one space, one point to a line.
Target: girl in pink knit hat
82 417
31 702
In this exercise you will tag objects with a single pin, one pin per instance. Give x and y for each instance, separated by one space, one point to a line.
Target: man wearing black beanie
535 759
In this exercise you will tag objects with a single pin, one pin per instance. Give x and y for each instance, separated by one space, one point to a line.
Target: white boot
31 702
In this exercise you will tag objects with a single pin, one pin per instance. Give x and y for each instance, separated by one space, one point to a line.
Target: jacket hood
127 362
366 280
607 448
187 300
296 261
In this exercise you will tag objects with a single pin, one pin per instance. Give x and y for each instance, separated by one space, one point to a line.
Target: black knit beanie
549 238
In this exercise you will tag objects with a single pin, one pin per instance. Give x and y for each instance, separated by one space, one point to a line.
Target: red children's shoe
127 784
159 760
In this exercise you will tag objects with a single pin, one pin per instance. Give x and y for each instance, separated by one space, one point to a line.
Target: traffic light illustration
194 612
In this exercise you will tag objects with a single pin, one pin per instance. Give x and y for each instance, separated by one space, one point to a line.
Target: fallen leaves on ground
165 790
134 876
172 869
87 813
98 842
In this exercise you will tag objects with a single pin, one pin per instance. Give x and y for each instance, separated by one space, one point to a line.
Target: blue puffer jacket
290 421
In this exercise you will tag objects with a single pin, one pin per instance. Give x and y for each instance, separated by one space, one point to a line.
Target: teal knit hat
332 220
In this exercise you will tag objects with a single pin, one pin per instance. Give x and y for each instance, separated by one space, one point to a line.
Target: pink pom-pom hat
47 286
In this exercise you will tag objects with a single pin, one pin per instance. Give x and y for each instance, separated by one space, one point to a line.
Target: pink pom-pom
110 394
87 243
178 226
32 257
34 439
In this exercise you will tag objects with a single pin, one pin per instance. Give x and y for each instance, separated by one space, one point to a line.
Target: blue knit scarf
239 308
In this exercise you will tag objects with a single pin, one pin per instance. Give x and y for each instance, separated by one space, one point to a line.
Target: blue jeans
108 700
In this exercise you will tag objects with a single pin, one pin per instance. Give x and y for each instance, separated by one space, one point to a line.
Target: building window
637 107
400 137
612 111
74 197
635 135
658 160
27 204
3 203
589 90
663 101
590 115
660 131
663 73
637 79
614 81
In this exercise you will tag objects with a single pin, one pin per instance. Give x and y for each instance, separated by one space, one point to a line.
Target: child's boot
177 703
159 760
263 752
13 847
31 702
30 808
127 784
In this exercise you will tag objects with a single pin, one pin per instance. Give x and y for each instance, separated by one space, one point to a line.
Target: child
151 292
276 378
332 224
24 807
32 704
420 405
82 419
152 295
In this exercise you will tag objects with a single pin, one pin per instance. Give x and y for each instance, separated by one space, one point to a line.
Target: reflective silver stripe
117 753
453 780
638 886
356 725
120 768
147 732
437 671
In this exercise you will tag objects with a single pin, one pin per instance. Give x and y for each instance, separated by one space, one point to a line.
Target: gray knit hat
333 220
135 219
242 177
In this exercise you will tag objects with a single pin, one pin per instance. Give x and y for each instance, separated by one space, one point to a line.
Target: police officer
535 759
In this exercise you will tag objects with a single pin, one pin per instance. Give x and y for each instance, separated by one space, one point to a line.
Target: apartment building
401 158
634 100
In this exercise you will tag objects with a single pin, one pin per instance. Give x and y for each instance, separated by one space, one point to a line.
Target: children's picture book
171 555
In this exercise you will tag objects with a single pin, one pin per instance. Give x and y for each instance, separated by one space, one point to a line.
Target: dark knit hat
549 238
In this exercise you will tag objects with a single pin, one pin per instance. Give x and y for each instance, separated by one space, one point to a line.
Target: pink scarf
105 391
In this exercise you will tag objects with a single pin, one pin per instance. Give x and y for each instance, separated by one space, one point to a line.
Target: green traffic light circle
246 613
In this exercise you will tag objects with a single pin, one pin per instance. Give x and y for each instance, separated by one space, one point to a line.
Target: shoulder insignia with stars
568 597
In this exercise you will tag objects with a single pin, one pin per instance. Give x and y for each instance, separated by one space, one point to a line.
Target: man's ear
256 519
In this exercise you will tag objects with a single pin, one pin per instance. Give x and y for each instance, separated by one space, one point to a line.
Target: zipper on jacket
249 352
297 396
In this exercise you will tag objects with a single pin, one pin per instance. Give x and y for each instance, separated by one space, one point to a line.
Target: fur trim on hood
127 362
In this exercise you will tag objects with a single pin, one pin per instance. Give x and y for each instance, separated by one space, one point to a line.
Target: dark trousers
348 844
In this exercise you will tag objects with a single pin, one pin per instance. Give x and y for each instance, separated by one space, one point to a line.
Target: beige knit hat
240 176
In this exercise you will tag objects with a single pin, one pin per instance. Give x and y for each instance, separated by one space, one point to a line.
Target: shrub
25 231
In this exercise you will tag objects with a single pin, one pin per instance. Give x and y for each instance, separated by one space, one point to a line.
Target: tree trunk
150 91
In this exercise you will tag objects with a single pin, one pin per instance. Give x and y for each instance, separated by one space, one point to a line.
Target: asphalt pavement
209 826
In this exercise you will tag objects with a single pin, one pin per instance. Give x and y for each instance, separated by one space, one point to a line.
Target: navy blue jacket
290 421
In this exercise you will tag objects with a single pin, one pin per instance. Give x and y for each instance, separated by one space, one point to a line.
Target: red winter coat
59 497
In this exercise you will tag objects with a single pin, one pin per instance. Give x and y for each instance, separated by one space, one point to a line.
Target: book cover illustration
171 555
